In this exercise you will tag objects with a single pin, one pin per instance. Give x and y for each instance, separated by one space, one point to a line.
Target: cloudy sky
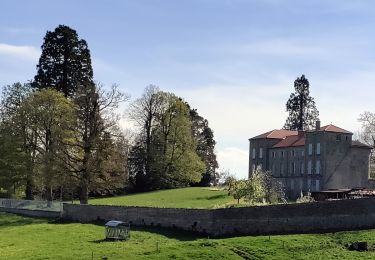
233 60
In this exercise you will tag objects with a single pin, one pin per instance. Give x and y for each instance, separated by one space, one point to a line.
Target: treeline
60 138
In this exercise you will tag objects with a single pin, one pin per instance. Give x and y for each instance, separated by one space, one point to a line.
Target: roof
276 134
114 223
360 145
290 141
334 129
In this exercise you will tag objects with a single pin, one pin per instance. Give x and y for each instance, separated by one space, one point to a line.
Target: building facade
322 159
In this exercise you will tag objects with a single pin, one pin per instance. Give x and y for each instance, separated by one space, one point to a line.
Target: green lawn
193 197
26 238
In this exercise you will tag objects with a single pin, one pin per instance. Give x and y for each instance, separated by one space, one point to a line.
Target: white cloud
21 52
235 160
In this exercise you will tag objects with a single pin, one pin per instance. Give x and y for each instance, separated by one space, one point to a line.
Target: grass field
27 238
193 197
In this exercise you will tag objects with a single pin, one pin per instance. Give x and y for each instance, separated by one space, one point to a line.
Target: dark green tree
301 107
65 62
205 147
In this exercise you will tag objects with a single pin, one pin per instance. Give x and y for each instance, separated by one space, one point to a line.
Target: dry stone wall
276 219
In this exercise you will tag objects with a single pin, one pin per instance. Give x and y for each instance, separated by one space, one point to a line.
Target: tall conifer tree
65 62
301 107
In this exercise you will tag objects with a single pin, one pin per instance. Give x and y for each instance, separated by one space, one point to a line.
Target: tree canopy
65 62
301 107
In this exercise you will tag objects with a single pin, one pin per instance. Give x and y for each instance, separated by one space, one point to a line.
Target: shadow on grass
171 233
214 197
12 220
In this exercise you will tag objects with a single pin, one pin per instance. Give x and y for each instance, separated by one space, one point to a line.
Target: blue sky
235 61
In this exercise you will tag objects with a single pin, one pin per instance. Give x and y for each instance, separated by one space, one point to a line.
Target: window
338 137
346 138
317 185
254 153
310 149
292 184
293 168
302 168
317 169
309 184
318 148
261 153
293 153
254 168
309 167
282 154
273 154
303 153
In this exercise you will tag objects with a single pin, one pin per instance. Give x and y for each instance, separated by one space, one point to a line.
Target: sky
235 61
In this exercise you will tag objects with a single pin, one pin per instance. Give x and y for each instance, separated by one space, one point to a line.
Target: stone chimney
317 125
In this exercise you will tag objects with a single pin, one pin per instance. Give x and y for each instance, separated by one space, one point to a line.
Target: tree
239 189
176 162
95 121
164 154
205 147
144 112
65 62
50 116
367 135
18 140
301 107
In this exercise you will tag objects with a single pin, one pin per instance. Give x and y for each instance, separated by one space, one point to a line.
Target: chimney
317 125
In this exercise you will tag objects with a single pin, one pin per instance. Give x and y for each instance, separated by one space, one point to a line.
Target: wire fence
31 204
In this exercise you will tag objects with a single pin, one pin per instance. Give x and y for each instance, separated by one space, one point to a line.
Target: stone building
322 159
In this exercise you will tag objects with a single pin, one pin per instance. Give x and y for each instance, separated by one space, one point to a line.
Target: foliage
205 147
164 155
78 241
50 116
301 107
65 62
305 198
239 189
16 142
260 187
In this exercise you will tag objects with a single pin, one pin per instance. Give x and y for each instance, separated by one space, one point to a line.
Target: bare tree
96 118
367 135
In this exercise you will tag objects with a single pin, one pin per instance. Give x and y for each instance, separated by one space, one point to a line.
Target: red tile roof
291 141
276 134
334 129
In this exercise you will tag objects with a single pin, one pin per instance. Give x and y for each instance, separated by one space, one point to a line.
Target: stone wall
277 219
32 213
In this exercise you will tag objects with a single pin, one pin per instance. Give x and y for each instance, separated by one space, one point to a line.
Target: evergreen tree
301 107
65 62
205 147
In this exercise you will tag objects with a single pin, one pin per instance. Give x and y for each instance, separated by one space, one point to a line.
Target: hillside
192 197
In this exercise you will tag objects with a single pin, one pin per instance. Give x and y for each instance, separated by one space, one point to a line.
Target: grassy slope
26 238
194 197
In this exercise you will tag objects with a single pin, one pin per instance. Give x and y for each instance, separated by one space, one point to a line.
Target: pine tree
301 107
65 62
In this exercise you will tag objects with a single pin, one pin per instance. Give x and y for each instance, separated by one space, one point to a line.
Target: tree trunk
84 192
29 189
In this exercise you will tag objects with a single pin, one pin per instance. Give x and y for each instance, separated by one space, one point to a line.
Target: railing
31 204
